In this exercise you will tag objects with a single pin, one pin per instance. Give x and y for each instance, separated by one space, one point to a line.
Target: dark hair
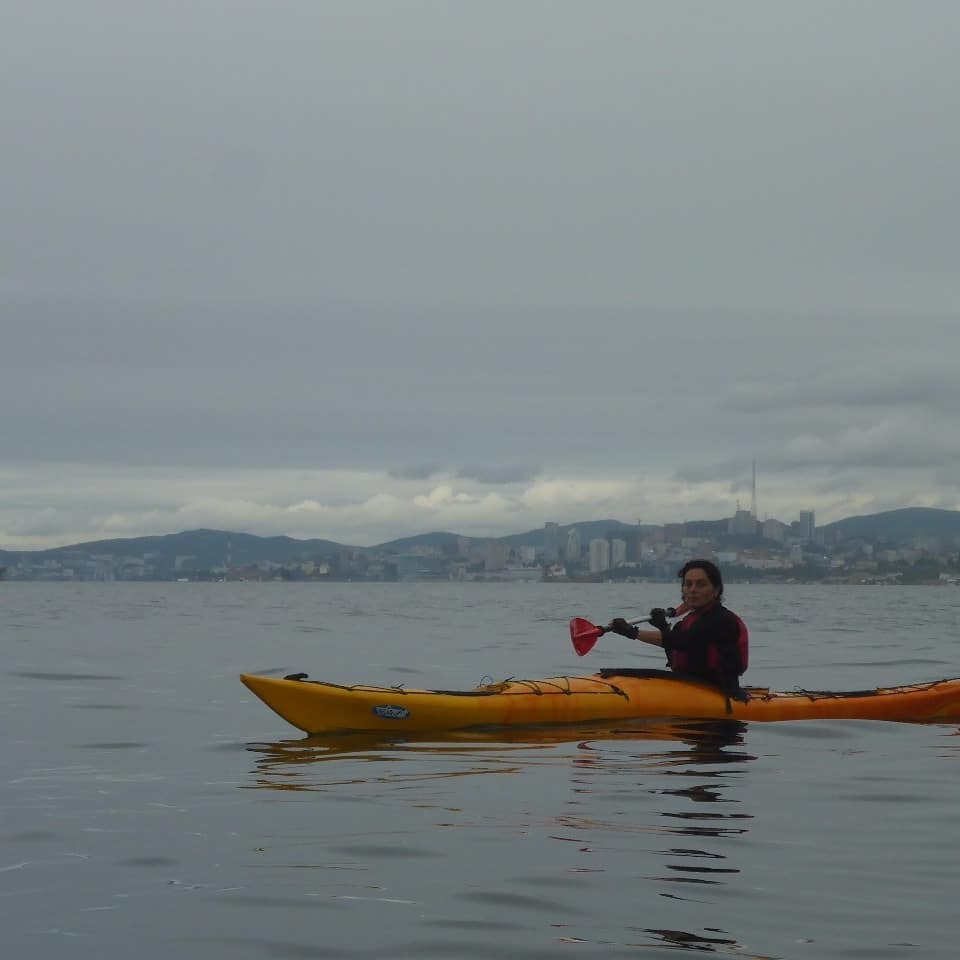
710 569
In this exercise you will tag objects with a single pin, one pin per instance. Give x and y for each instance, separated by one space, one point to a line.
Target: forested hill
209 548
899 526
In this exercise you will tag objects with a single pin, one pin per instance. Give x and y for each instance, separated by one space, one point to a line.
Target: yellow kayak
319 707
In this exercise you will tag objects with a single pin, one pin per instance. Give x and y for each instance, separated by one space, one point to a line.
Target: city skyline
741 522
556 540
906 546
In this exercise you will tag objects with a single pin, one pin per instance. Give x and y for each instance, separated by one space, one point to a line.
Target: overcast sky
359 270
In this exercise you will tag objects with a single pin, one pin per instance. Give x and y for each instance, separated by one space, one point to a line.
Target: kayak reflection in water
709 742
710 643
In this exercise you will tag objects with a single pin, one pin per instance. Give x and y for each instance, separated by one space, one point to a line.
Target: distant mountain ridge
588 530
899 525
211 548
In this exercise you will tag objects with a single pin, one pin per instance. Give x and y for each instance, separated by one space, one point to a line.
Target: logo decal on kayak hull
390 711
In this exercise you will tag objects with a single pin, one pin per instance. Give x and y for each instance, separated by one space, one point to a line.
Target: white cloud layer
75 503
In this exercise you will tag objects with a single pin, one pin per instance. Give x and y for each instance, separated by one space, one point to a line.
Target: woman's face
697 590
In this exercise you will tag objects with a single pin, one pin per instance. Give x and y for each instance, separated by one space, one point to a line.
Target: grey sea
153 808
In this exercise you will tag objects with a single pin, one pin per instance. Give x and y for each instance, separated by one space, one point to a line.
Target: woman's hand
658 619
619 625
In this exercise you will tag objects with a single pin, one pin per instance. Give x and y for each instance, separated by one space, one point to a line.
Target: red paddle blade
583 635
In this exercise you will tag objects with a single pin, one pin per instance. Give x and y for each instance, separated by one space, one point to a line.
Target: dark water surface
152 808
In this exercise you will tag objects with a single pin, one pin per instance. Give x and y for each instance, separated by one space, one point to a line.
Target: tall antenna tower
753 495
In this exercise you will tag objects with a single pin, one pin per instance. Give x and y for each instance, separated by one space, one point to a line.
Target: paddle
584 634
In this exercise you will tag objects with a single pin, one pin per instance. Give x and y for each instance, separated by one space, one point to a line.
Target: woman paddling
710 643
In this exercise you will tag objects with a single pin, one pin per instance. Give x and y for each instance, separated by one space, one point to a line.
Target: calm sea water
151 807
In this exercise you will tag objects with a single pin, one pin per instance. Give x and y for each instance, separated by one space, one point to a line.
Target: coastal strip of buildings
744 547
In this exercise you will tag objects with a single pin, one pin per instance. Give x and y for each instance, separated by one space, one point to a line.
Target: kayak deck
322 707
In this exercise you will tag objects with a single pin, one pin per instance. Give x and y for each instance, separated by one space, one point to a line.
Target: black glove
658 619
619 625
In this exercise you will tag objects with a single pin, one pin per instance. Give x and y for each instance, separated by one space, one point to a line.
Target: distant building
775 530
696 548
497 553
743 523
674 532
573 545
618 552
527 554
551 543
599 555
807 524
635 545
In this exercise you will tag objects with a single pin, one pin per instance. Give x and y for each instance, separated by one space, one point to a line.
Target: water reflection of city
691 763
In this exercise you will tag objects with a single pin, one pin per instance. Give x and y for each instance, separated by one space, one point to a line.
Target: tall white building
618 552
551 542
599 555
807 524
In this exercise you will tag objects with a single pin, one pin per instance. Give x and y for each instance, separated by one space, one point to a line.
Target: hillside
210 548
899 526
437 539
588 530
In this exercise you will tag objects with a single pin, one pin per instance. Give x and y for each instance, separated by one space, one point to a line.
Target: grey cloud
425 238
934 386
39 522
499 473
902 444
947 478
416 471
319 150
733 471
